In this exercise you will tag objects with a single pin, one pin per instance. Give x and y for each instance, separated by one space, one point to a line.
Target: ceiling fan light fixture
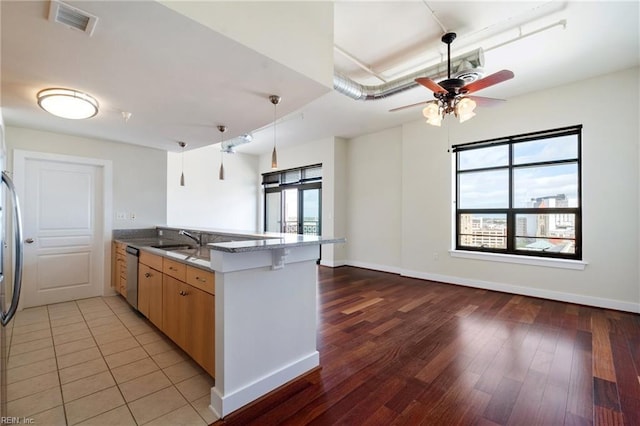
464 109
432 113
67 103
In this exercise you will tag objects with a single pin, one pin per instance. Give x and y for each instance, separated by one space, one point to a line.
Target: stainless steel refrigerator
10 267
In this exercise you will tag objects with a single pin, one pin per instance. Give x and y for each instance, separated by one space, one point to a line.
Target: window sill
523 260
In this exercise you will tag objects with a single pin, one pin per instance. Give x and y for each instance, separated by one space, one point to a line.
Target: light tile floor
95 362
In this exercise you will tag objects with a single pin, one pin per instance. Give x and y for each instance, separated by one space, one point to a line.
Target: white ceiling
180 79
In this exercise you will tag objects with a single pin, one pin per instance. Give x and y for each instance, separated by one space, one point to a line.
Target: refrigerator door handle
5 317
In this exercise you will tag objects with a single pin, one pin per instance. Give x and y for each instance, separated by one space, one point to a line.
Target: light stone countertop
273 241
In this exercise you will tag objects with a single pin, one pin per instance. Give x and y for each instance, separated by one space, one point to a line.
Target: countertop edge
249 246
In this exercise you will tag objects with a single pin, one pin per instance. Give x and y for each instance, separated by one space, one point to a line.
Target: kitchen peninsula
265 303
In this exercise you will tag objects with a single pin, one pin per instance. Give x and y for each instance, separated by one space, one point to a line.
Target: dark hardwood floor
402 351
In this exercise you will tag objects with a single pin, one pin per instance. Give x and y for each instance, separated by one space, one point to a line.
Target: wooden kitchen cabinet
119 268
189 320
150 302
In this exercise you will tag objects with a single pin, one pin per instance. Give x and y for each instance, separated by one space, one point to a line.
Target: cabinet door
174 309
201 333
115 271
150 294
145 275
156 306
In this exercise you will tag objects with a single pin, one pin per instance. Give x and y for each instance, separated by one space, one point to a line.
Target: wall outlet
121 216
435 255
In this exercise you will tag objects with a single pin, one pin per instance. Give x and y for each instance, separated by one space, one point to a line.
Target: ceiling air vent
72 17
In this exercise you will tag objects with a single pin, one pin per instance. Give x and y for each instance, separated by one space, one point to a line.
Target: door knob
29 240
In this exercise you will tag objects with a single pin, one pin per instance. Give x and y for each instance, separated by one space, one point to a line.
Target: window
292 200
521 194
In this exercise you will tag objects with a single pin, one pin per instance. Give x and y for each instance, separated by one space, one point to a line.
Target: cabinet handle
147 275
171 268
183 293
204 280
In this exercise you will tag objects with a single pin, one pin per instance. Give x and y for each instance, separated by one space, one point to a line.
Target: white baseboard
507 288
528 291
374 266
222 405
332 263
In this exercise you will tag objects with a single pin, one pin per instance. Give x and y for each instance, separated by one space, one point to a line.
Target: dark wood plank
503 400
404 351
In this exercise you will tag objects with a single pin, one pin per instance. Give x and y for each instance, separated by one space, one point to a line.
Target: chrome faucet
197 239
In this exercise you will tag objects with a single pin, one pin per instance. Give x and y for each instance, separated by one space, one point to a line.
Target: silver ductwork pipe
467 66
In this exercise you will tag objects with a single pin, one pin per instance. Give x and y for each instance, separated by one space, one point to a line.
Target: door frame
20 158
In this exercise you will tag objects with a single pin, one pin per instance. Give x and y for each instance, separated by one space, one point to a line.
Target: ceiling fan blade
431 85
408 106
483 101
490 80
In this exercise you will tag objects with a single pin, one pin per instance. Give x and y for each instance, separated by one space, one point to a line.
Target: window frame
510 212
275 182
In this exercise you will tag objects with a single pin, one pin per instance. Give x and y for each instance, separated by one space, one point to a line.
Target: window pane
290 211
546 225
546 245
553 149
488 189
311 211
483 230
273 215
291 176
546 186
549 233
494 156
312 173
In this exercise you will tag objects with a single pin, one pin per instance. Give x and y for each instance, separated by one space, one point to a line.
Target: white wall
332 153
139 173
374 206
206 201
610 194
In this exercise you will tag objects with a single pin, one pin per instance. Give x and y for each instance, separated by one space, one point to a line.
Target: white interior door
63 231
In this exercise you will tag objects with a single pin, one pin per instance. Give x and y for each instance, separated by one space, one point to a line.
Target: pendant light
275 100
221 129
182 145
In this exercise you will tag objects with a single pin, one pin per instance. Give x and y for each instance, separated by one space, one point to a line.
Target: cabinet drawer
151 260
175 269
200 278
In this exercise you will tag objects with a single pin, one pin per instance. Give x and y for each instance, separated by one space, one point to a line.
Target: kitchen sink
173 246
194 253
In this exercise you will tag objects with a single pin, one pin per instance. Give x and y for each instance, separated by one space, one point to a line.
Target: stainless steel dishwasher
132 276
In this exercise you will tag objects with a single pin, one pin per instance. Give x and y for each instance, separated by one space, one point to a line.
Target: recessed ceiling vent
72 17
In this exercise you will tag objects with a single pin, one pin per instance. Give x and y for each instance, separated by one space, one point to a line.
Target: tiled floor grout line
84 312
117 316
55 356
108 367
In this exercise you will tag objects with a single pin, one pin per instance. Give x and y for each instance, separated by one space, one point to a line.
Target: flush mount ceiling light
68 103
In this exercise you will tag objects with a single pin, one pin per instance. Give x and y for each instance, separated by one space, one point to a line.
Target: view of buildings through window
520 194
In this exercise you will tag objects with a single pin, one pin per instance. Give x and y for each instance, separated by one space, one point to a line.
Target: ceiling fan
452 94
